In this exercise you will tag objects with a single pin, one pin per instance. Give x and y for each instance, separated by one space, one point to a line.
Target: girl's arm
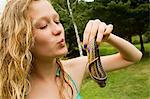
127 55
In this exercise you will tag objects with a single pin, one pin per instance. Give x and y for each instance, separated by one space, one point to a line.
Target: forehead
41 8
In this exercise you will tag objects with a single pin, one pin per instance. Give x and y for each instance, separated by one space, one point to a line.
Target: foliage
61 7
129 17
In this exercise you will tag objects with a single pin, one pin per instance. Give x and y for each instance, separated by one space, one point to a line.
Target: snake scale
94 64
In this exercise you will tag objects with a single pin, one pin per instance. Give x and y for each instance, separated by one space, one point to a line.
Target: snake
95 67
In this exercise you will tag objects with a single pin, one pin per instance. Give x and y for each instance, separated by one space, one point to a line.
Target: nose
57 29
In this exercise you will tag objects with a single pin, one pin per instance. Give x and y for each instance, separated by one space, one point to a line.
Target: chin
62 52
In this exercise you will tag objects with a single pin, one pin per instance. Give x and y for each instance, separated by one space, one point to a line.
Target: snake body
94 64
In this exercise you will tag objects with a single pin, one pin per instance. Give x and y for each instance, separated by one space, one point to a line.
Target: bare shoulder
76 68
109 63
78 62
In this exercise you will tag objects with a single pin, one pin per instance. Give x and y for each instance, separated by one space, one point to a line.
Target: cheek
43 42
43 48
40 37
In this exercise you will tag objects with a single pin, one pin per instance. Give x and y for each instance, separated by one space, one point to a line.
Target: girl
32 40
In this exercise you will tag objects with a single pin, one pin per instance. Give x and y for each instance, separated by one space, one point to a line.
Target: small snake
94 64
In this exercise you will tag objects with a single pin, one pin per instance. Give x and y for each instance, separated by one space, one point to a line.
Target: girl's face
47 30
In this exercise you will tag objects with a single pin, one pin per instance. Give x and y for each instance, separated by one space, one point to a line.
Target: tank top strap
78 96
74 83
69 77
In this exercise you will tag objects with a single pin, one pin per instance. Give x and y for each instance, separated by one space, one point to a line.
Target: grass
129 83
107 49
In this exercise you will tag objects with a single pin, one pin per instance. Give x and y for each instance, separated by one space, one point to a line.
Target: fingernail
85 46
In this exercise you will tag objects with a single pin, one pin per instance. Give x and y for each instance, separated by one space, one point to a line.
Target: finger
87 33
102 28
94 29
109 29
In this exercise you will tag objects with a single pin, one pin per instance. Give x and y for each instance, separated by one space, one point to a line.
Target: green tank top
78 96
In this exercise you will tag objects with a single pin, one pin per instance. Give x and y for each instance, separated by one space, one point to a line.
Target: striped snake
94 64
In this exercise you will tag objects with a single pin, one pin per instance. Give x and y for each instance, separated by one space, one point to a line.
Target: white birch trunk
75 27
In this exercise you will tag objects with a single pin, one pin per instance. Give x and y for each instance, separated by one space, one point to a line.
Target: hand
96 27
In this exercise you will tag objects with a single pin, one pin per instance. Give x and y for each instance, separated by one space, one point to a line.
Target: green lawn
129 83
106 48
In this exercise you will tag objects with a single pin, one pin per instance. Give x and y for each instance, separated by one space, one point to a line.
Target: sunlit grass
107 49
132 82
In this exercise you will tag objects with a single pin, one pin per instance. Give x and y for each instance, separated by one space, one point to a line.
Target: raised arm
127 55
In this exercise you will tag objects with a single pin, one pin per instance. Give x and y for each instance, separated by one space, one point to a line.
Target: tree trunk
75 27
142 44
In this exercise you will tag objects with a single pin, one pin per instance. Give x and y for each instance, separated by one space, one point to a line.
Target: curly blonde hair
16 40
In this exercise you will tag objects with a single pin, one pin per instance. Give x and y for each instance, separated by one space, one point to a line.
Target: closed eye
57 22
43 27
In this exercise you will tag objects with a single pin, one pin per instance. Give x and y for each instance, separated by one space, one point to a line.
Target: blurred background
131 21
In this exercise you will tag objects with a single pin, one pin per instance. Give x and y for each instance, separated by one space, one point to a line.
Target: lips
62 42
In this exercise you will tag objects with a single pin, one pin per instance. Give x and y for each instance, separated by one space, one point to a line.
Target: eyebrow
34 22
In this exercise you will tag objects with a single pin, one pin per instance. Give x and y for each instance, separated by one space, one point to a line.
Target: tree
141 15
75 27
63 7
129 17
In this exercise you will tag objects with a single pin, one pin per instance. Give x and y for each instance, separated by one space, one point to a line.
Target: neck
44 69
